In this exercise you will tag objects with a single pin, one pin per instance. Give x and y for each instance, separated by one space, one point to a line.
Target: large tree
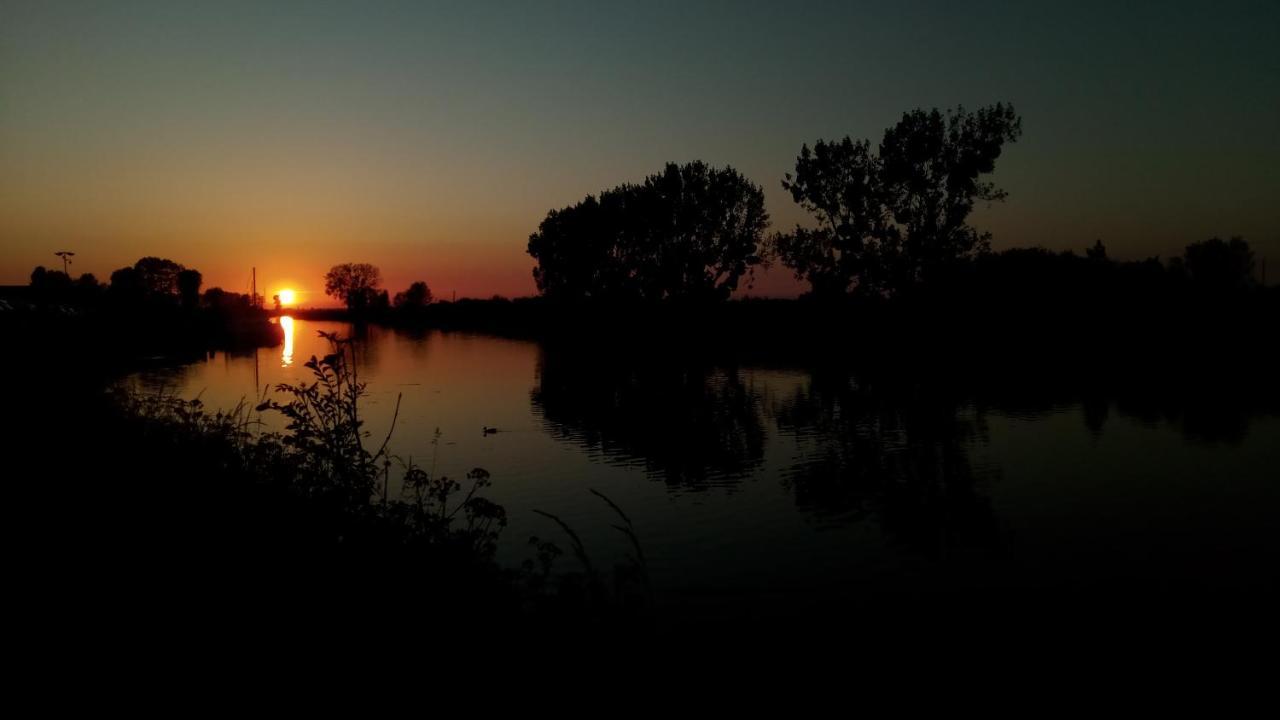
889 218
153 280
355 284
159 276
689 232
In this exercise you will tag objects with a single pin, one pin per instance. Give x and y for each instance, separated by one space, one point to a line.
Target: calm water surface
764 483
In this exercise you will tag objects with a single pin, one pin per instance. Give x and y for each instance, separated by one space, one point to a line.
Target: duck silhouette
486 430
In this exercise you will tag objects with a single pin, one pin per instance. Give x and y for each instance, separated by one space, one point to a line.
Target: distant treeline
1214 281
1017 293
153 306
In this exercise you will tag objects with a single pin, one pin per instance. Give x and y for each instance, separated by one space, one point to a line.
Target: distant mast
253 288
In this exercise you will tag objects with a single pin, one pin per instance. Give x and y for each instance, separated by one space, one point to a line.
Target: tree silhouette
416 297
689 232
219 300
189 282
49 280
158 277
355 284
126 285
892 218
1097 253
1220 265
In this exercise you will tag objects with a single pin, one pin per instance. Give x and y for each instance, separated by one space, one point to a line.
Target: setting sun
287 297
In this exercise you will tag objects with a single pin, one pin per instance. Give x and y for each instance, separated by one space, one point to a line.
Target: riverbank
932 332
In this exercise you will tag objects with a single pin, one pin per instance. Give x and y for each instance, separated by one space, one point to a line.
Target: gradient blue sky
431 138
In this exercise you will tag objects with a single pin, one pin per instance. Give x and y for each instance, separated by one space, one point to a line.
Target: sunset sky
431 138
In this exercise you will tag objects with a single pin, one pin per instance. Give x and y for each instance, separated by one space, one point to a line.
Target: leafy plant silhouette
325 436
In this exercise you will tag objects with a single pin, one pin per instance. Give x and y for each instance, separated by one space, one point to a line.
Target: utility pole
66 261
253 292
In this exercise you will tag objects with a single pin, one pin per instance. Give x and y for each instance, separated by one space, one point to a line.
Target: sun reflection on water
286 357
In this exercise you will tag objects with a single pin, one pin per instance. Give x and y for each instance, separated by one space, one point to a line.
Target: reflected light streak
286 357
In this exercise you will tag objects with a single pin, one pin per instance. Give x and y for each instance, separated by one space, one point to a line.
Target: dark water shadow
900 446
692 424
889 452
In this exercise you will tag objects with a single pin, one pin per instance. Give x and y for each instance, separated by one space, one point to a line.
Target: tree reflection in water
892 452
904 449
692 424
